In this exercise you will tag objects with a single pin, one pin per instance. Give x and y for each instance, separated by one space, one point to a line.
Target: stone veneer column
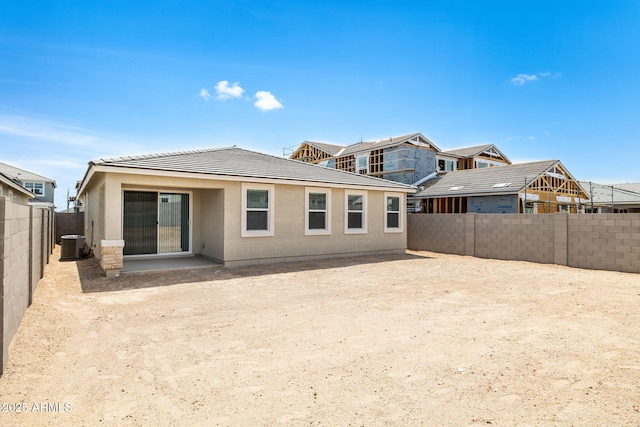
112 258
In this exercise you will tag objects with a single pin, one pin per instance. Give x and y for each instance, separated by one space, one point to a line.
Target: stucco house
405 159
13 192
42 188
237 207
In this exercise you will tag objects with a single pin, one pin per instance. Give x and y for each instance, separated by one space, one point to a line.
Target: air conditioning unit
71 247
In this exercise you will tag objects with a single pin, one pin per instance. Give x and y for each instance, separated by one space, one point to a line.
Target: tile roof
7 180
385 143
468 152
22 175
237 162
629 186
327 148
481 181
622 193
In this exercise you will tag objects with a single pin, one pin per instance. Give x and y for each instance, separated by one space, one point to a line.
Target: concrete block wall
25 236
69 223
15 270
605 242
514 237
593 241
437 232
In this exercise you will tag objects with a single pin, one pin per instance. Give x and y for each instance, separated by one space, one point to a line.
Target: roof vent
502 185
460 187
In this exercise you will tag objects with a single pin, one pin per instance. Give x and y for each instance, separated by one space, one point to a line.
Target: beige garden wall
594 241
26 241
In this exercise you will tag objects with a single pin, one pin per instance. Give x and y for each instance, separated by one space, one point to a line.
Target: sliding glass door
155 222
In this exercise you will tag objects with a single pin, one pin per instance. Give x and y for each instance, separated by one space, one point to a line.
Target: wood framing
346 163
538 187
310 154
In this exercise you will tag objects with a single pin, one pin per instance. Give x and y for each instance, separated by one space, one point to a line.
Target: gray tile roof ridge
511 166
616 187
29 175
158 155
479 148
122 161
297 162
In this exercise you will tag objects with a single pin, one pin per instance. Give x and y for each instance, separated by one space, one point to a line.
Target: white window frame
362 230
401 206
32 189
271 213
327 229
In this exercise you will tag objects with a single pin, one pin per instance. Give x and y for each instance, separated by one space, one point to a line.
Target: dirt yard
422 339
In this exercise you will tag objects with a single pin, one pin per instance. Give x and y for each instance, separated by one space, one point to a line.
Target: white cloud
266 101
226 91
521 79
19 126
204 94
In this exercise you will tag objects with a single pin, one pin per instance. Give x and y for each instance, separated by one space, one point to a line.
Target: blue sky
81 80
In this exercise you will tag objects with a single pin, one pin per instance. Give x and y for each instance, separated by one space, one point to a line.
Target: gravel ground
411 340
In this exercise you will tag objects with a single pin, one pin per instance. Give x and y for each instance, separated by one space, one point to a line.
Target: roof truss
310 154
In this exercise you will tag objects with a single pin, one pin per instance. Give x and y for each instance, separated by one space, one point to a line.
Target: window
317 211
257 210
355 212
393 213
36 188
530 208
446 165
362 164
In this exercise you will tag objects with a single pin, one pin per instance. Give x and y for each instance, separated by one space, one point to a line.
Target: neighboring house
407 159
538 187
481 156
42 188
404 159
237 207
616 198
13 191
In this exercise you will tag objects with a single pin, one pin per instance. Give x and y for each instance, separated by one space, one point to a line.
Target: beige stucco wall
290 241
93 202
13 195
217 213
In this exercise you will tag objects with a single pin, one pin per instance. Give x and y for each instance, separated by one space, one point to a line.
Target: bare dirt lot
419 339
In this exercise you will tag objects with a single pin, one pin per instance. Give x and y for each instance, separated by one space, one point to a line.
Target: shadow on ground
92 277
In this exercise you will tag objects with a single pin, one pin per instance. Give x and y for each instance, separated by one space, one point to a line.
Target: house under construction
537 187
477 157
404 159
